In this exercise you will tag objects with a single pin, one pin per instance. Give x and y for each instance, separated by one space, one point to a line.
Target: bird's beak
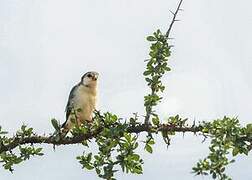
95 77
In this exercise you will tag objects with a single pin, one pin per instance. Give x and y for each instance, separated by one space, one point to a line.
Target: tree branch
153 90
36 139
173 19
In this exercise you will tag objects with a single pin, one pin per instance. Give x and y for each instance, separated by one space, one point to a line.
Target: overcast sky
46 46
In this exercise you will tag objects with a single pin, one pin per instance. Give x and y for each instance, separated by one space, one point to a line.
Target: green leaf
3 132
127 136
89 167
232 161
151 142
146 73
155 121
38 150
148 148
23 127
135 157
89 157
55 124
167 68
235 151
249 128
18 160
138 170
84 143
151 38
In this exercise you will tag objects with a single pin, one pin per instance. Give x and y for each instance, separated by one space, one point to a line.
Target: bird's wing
69 105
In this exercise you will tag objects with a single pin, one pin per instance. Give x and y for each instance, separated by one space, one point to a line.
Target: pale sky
46 46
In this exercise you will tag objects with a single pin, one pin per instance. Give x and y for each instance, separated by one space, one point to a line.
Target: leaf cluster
157 66
227 136
9 158
116 148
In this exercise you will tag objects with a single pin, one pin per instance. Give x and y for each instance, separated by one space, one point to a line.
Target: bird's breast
86 101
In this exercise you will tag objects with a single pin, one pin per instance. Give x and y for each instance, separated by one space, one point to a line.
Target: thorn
205 137
177 20
172 12
193 123
167 146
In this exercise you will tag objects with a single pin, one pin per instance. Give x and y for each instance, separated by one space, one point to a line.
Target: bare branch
173 19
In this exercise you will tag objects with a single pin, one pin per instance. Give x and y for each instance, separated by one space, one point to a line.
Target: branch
160 61
173 19
36 139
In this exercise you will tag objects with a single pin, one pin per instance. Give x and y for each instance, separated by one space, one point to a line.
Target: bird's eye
89 75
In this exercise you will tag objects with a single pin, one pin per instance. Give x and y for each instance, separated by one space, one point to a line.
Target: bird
81 101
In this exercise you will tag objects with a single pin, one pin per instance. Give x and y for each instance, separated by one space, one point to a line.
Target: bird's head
90 79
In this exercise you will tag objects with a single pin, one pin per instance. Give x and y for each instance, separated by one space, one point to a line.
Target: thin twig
173 19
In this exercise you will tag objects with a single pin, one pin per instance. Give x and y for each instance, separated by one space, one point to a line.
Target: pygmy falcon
81 101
